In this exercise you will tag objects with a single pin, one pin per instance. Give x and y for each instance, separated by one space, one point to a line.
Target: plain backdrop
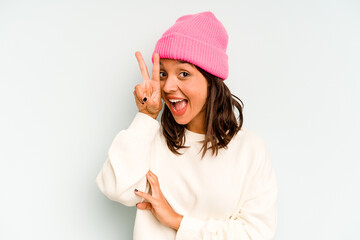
68 70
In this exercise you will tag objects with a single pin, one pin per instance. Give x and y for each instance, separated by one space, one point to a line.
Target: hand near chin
157 204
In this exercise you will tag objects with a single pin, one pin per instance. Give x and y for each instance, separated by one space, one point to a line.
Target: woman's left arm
257 218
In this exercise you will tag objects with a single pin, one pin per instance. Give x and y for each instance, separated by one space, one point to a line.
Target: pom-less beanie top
200 39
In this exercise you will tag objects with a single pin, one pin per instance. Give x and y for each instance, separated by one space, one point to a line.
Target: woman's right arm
128 161
129 155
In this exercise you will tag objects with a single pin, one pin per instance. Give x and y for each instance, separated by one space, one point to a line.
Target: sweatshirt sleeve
128 161
257 218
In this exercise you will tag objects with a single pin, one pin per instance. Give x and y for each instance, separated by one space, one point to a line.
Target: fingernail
144 99
136 190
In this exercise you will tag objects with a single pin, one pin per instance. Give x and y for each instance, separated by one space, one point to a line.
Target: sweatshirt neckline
193 135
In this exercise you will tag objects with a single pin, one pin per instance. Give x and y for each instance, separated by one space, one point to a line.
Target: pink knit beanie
200 39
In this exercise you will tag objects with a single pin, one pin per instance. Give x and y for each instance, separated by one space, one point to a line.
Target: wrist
150 115
177 221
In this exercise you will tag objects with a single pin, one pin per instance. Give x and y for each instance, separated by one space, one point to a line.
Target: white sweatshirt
230 196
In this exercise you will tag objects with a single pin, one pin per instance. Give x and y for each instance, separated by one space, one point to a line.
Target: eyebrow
177 62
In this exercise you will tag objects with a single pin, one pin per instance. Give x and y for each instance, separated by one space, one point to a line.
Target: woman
198 174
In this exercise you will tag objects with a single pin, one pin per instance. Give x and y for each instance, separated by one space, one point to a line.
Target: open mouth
178 106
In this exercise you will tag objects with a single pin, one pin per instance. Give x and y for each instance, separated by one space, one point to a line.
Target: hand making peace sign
148 94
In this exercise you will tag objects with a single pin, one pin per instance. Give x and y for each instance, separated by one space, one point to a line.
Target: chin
181 121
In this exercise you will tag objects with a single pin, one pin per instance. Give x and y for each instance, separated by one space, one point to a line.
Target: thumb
144 205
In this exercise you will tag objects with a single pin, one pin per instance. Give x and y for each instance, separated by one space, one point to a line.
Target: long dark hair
221 123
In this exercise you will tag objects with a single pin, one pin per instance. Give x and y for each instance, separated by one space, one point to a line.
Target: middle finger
156 68
154 182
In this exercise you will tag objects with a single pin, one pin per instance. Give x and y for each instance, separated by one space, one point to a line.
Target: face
180 80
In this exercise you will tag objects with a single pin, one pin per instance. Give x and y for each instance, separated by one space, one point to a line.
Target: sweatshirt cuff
145 124
190 228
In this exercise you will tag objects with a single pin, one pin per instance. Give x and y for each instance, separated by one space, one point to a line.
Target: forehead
173 61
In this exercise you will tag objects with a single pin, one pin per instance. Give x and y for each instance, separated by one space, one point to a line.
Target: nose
170 84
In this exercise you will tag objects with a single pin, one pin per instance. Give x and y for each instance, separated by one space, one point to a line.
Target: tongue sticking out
180 105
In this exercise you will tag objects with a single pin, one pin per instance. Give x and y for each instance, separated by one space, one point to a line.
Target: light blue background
68 71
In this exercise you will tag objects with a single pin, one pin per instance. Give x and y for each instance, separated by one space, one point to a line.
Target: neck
197 125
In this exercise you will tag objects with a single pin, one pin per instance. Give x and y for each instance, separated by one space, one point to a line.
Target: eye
185 73
160 74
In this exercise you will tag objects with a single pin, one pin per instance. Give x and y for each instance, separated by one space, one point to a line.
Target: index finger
142 65
144 195
156 68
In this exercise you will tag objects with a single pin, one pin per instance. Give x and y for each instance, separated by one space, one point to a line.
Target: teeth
176 100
